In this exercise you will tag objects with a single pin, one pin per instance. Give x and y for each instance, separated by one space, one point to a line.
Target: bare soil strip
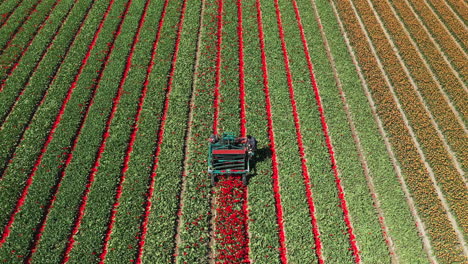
438 190
443 139
188 136
419 223
362 158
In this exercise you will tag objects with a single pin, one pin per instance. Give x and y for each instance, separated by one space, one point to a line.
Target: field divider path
58 118
430 148
14 123
409 199
6 16
93 171
438 190
50 204
356 138
187 137
305 171
276 184
160 133
424 102
17 50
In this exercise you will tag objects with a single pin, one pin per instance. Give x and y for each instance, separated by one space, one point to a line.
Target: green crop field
359 108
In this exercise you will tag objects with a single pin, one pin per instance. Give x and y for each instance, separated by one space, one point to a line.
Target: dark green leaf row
10 53
299 237
392 199
7 7
64 210
263 227
40 192
124 241
101 197
16 19
34 137
162 221
196 200
364 218
229 119
33 76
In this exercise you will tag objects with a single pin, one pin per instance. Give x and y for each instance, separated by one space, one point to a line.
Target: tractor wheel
213 180
244 179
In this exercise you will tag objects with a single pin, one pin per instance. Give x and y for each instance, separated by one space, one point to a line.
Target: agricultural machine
230 155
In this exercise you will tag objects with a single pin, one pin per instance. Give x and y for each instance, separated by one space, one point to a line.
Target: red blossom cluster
231 221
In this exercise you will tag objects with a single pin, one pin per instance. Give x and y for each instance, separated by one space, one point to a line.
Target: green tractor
230 155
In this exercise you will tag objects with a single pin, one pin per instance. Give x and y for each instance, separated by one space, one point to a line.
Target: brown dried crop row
460 8
451 21
434 57
447 121
446 174
444 239
456 54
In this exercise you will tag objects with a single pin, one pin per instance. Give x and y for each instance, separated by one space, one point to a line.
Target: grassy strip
25 155
64 209
365 223
26 88
397 215
31 218
446 174
456 28
442 37
18 42
263 227
8 7
438 226
16 20
195 218
434 58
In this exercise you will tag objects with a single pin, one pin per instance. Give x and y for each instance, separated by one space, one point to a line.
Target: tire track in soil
144 228
188 136
440 195
357 141
41 227
419 223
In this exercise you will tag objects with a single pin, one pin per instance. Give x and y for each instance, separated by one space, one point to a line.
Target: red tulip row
8 8
18 42
32 216
443 237
25 88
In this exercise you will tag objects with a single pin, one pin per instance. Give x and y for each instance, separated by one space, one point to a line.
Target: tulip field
359 107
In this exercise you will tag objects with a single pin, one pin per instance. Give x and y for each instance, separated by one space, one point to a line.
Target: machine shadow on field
261 155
